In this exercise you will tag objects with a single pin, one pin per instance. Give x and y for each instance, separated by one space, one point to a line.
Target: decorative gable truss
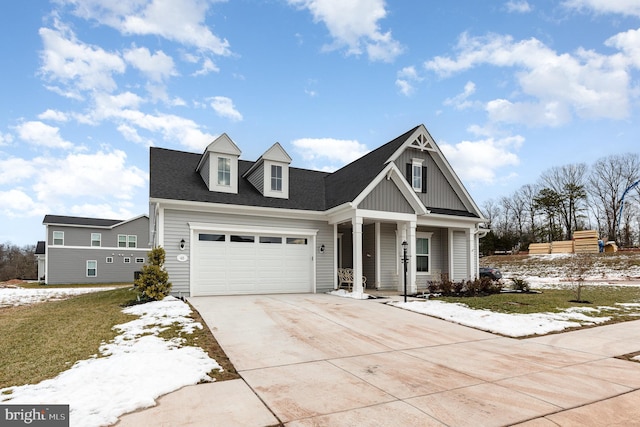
218 165
270 173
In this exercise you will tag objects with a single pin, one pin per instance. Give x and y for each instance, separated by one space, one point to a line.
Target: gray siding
386 197
206 170
389 256
257 178
176 228
69 265
439 193
460 252
369 254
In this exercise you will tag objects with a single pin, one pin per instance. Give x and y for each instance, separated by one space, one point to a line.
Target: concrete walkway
314 360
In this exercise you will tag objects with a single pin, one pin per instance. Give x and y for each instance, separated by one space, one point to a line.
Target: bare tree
610 177
527 195
569 182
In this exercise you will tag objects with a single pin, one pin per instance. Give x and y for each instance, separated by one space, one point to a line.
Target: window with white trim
109 260
58 238
92 268
127 260
96 239
224 171
139 260
423 252
276 178
127 241
416 175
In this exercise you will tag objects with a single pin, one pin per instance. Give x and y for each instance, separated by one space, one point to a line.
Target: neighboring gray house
40 257
231 226
93 250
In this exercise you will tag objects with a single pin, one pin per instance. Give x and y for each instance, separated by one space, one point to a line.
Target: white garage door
229 263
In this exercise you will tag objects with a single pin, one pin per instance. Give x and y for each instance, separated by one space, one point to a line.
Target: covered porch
370 243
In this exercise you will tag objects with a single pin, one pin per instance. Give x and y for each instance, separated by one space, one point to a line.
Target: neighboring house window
92 268
130 241
96 239
276 178
139 260
127 260
423 260
224 171
58 238
109 260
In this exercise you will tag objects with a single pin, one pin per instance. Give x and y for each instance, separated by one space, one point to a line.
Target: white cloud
629 43
16 203
337 152
15 169
76 65
5 139
181 21
208 66
518 6
157 67
99 176
354 25
584 83
224 107
406 78
623 7
461 101
41 134
54 115
477 161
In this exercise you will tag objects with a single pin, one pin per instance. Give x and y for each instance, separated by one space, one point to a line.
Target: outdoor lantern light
405 261
182 242
322 248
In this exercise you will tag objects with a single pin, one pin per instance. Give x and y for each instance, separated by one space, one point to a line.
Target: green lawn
40 341
555 300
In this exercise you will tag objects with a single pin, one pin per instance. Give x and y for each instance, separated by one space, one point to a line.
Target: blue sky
507 89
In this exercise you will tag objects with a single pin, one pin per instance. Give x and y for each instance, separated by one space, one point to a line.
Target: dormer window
224 171
276 178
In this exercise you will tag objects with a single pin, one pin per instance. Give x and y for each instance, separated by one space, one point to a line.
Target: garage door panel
224 267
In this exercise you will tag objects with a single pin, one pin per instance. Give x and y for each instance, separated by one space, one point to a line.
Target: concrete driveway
324 360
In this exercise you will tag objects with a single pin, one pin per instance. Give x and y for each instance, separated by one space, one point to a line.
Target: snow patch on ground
512 325
345 294
135 368
25 296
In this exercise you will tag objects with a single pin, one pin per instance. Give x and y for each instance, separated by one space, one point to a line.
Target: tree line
565 199
17 262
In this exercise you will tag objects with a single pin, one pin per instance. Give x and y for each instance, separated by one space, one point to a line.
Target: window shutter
410 174
424 179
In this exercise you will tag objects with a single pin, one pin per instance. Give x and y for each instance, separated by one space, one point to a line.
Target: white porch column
356 222
335 255
377 254
472 269
411 240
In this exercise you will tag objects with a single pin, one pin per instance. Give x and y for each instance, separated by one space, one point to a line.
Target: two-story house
231 226
93 250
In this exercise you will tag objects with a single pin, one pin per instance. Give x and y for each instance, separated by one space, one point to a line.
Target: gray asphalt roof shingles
76 220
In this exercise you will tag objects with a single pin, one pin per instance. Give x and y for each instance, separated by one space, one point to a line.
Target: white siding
460 256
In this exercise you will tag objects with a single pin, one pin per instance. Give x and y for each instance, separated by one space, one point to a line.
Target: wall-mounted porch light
182 243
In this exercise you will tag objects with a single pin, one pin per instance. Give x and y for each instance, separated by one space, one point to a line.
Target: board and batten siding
386 197
439 193
176 227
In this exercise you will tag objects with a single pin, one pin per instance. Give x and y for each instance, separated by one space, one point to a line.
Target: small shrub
446 285
153 284
519 284
458 287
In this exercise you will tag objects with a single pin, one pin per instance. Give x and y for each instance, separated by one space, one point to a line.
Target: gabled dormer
218 165
270 173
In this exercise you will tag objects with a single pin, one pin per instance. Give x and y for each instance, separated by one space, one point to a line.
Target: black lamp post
405 261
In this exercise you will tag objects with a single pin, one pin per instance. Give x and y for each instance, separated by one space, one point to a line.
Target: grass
40 341
556 300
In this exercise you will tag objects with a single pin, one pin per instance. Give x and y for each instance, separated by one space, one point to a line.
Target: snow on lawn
512 325
133 370
24 296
